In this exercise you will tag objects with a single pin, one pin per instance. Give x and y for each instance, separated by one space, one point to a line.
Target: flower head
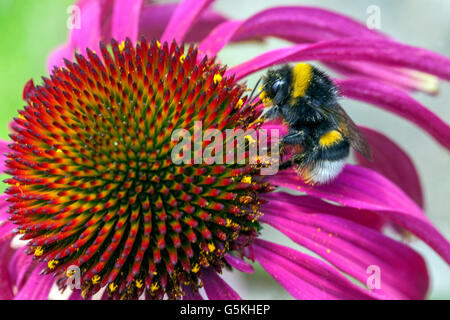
93 184
93 180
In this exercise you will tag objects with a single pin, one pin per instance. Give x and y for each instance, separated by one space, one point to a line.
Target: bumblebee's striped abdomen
333 146
330 138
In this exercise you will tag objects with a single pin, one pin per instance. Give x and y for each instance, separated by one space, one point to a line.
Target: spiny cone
93 184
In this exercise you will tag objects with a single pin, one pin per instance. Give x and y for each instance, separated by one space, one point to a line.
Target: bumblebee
306 99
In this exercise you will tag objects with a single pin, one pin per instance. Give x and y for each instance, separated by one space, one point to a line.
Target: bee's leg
272 113
286 164
298 137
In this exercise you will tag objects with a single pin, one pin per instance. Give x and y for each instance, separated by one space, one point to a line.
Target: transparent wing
348 128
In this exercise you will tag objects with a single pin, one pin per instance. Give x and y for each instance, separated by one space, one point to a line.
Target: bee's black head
276 85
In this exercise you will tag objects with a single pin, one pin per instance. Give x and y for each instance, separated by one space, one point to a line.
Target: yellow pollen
112 287
217 78
70 273
52 264
38 252
21 231
158 44
139 284
59 151
328 250
247 179
95 279
211 247
122 46
250 139
154 287
196 268
182 57
240 103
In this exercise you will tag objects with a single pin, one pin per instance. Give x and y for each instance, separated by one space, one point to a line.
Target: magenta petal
400 78
183 18
352 248
76 295
308 205
298 24
189 294
3 148
125 19
365 49
303 276
37 286
239 264
392 162
362 188
216 288
87 36
155 17
398 102
6 282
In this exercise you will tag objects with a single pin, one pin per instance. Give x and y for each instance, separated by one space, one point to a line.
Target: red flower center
93 184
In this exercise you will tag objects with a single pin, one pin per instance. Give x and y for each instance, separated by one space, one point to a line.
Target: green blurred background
30 29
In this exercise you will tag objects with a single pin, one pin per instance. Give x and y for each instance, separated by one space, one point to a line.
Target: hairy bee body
307 101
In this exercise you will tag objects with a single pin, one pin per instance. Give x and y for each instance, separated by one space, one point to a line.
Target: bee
307 100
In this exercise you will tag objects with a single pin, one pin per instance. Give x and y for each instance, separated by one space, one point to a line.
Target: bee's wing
348 128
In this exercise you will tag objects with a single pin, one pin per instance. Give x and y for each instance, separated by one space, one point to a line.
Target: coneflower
93 184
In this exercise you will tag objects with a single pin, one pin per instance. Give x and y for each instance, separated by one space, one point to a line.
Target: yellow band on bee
330 138
301 77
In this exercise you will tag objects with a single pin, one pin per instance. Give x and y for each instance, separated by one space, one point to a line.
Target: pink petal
37 286
155 17
298 24
183 18
365 49
398 102
6 283
239 264
216 288
3 148
125 20
87 36
362 188
392 162
76 295
400 78
189 294
310 205
351 247
303 276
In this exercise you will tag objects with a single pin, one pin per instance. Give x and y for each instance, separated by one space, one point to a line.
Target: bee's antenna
253 92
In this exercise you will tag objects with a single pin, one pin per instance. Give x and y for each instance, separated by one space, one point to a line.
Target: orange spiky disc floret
93 184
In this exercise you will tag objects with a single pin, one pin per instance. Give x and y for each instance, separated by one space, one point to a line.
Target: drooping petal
155 17
362 188
125 19
216 288
409 80
239 264
190 294
37 286
311 205
183 18
294 23
364 49
6 283
398 102
86 35
392 162
3 148
351 247
303 276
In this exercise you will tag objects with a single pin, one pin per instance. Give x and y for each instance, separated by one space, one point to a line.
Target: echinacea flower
93 185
